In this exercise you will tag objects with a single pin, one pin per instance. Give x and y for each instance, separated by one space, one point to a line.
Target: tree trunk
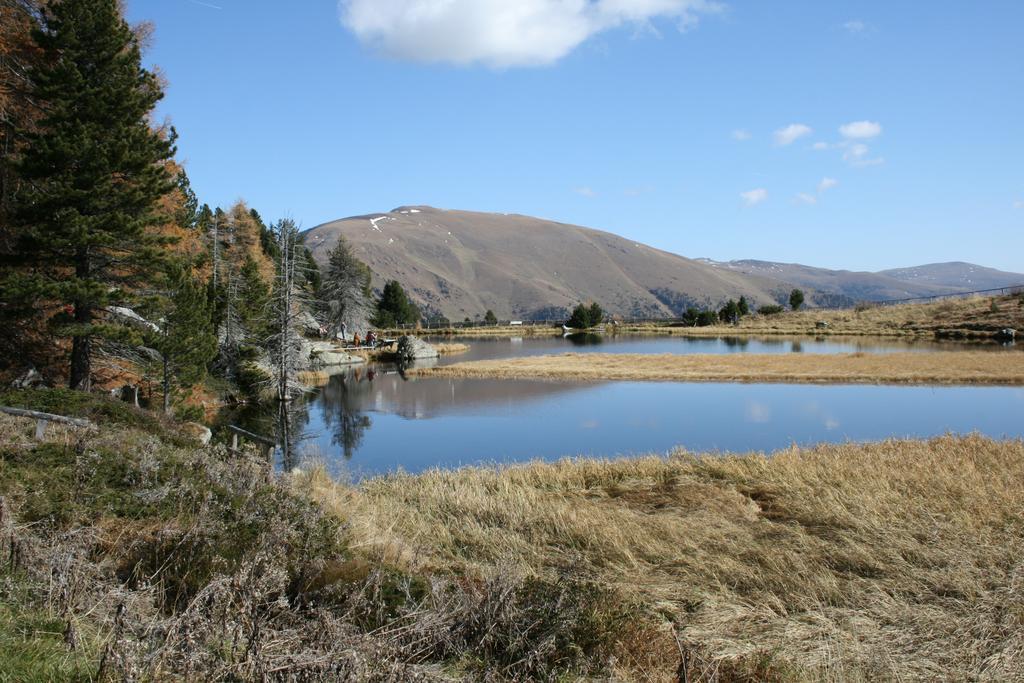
80 376
167 387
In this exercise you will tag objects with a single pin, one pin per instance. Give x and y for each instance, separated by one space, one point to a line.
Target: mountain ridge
459 264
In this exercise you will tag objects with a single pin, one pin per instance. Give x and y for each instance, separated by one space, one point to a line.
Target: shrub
706 318
772 309
585 316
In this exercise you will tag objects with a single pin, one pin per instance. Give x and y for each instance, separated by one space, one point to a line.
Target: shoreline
952 368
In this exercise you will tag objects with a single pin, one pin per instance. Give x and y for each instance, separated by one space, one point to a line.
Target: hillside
462 263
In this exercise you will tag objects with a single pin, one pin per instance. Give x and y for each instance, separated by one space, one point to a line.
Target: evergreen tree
730 313
796 299
344 298
490 318
94 171
394 307
188 214
580 317
253 295
185 338
311 272
596 314
743 306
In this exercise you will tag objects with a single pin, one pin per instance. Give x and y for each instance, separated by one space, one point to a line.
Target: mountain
461 263
846 287
957 274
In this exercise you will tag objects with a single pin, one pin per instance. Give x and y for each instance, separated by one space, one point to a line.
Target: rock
412 348
1006 334
327 354
31 379
129 317
308 324
821 325
150 354
199 432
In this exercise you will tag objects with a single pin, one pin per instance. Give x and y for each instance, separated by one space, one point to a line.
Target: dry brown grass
968 318
959 367
902 560
451 348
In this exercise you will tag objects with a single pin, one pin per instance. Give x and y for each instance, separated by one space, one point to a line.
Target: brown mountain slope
462 263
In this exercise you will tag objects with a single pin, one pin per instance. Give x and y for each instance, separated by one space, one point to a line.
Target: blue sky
706 129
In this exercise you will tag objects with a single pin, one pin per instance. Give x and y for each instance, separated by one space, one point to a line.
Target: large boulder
328 354
412 348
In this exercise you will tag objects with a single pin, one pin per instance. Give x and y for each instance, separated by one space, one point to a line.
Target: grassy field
129 552
967 318
951 367
975 317
901 560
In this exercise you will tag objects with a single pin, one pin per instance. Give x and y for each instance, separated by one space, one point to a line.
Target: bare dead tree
287 303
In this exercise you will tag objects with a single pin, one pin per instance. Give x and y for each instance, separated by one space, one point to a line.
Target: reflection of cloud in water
590 424
759 413
816 411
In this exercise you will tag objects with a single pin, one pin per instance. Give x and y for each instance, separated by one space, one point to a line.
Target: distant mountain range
846 287
461 263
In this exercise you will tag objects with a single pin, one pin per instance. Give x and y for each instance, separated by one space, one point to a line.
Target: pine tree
344 299
796 299
580 318
253 295
742 306
94 171
394 307
490 318
185 338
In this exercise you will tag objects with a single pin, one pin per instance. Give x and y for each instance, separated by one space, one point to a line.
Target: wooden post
234 441
41 429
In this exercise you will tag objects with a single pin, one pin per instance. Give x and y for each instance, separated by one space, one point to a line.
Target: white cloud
861 130
791 133
855 152
855 26
741 134
819 146
1019 204
637 191
755 196
827 184
502 33
585 191
804 198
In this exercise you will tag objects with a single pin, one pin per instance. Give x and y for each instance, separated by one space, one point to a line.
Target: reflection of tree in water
585 339
284 422
736 342
291 420
342 400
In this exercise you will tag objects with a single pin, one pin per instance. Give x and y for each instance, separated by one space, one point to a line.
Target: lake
371 420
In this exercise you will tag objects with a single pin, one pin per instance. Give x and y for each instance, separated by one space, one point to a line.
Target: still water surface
370 420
